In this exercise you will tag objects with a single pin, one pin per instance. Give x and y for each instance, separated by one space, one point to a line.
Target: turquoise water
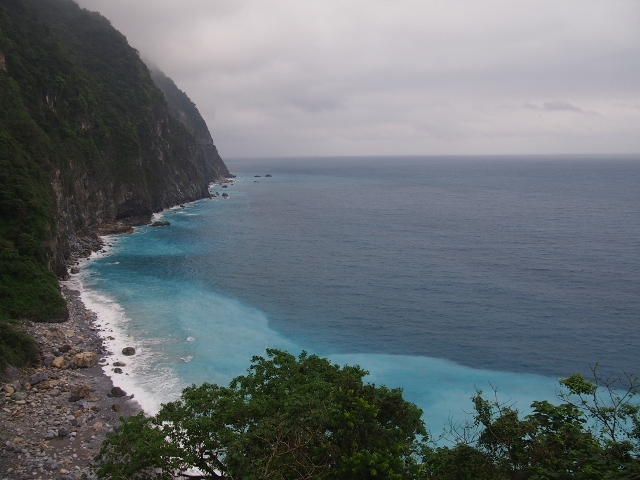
438 275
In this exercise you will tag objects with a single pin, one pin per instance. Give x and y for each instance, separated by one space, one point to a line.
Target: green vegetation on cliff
86 139
185 111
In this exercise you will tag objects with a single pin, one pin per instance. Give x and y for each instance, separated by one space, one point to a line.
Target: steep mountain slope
184 110
86 140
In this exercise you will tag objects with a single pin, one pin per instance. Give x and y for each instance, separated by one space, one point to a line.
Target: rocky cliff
87 142
185 111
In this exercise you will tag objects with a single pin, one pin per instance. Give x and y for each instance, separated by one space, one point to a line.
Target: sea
438 275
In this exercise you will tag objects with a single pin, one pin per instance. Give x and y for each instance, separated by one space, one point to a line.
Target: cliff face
184 110
86 140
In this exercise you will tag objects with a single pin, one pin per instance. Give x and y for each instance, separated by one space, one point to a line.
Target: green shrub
16 347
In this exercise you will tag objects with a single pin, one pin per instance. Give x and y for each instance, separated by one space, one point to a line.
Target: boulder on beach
128 351
81 390
55 334
37 378
117 392
85 359
58 362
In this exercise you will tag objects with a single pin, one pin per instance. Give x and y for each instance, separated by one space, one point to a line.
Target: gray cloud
383 77
562 107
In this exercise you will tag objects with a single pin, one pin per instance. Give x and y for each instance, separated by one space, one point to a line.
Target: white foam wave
140 377
160 215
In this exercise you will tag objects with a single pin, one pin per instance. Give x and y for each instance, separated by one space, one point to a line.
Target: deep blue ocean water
439 275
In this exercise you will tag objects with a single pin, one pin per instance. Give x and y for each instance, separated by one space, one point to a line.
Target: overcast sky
385 77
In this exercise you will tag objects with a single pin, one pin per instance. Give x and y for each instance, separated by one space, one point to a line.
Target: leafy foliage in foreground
593 434
288 418
306 418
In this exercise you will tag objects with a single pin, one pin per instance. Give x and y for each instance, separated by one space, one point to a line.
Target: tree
288 418
593 434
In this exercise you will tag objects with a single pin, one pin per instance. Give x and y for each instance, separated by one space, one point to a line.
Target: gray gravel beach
54 417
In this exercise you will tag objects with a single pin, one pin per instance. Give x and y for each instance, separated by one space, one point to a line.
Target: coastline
55 415
110 324
54 420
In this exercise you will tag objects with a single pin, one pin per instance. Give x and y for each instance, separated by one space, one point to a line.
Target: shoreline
112 342
53 419
110 324
55 415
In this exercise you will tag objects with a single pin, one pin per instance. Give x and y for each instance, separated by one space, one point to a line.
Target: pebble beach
54 416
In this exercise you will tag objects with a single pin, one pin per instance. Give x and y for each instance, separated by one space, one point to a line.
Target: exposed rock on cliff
185 111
